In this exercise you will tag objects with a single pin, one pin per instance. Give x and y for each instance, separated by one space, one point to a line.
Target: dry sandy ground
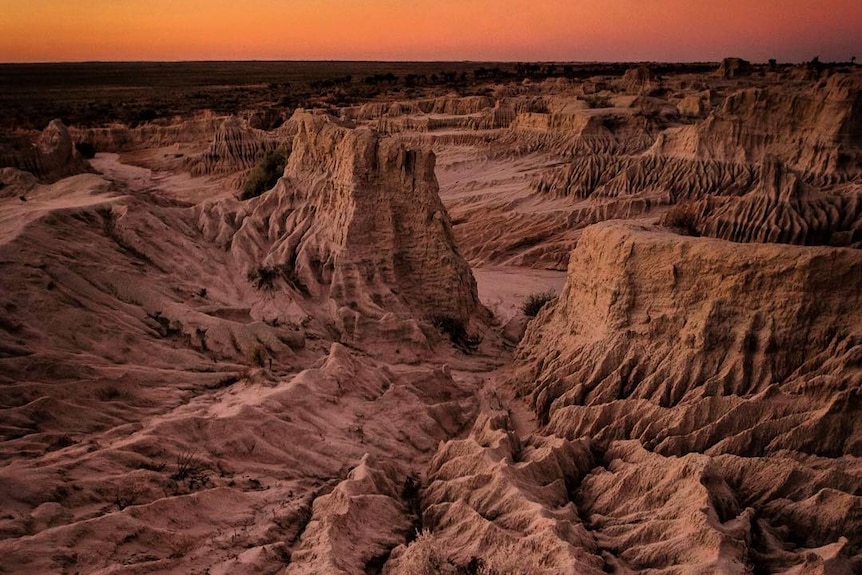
158 462
178 186
194 384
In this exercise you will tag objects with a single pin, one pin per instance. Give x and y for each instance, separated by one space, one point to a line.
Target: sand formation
50 158
235 147
701 346
356 226
328 378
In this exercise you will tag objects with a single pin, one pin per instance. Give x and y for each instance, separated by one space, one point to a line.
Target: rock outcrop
817 128
354 525
443 106
494 502
693 105
122 138
640 80
704 372
780 209
57 155
603 176
765 164
648 315
721 514
51 158
731 68
570 128
235 147
355 221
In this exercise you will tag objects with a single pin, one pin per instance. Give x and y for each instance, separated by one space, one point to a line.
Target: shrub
683 218
263 277
454 328
86 149
265 174
256 355
536 302
63 441
125 497
598 101
190 470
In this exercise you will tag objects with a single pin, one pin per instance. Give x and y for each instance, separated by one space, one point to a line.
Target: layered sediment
356 221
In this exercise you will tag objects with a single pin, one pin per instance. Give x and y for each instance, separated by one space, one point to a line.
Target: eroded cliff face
813 129
235 147
356 224
125 309
694 360
781 208
698 408
650 315
122 138
774 163
51 158
503 504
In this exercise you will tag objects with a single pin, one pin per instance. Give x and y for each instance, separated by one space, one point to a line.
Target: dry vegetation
97 94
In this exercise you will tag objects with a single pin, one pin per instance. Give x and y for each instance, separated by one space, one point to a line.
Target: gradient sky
514 30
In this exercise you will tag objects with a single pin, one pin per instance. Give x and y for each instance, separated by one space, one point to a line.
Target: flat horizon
379 61
395 61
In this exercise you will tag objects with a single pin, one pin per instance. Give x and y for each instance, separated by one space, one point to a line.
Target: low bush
536 302
598 101
190 470
113 393
256 355
86 149
263 277
683 218
457 332
265 174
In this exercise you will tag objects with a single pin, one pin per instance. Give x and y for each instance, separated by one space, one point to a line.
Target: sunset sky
558 30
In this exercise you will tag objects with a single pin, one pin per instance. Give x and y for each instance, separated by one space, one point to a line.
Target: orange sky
560 30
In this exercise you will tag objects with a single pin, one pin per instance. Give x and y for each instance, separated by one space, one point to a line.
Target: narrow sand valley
338 373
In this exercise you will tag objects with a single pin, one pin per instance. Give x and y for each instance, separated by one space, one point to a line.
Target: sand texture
338 375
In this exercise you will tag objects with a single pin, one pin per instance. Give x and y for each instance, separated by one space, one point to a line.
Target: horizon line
393 61
366 61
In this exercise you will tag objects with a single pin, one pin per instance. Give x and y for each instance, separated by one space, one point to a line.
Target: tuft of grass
190 470
535 302
265 174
